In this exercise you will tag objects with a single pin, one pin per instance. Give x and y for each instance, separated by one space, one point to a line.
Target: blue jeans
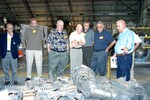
124 64
99 62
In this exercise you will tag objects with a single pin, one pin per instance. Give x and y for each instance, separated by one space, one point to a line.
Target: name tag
33 31
65 36
101 37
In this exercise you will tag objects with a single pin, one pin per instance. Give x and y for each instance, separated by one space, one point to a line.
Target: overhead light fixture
5 20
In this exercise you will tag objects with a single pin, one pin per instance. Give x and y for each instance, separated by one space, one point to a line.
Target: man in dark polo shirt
103 41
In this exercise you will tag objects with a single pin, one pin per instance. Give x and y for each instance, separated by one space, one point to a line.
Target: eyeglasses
9 28
100 27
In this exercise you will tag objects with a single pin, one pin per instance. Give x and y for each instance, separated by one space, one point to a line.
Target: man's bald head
121 25
79 28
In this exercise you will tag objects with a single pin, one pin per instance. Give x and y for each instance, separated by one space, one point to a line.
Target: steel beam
70 6
10 12
126 5
133 4
93 10
49 10
28 8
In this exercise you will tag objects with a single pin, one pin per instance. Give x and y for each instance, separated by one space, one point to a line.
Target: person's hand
107 49
48 50
114 56
81 43
125 49
75 41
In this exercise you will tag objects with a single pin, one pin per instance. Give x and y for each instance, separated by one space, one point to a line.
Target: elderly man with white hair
103 41
124 49
57 46
77 40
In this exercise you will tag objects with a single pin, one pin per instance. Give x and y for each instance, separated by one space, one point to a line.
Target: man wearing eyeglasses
58 54
103 41
9 42
124 49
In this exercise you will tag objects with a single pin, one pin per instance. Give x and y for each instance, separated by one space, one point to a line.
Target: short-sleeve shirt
125 39
34 38
102 40
137 39
58 41
75 36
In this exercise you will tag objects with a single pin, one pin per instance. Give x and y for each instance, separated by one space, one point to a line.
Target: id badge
101 37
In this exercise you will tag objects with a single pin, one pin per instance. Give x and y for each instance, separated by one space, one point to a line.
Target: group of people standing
84 46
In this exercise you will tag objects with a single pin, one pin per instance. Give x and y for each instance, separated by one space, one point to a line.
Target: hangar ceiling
71 11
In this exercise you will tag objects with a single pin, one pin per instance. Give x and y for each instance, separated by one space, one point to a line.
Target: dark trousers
124 64
99 62
87 55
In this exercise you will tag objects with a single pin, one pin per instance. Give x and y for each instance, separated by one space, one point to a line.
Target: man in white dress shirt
77 40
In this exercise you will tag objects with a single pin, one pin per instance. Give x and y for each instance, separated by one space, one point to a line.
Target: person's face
86 26
33 23
79 29
120 26
60 26
9 28
100 27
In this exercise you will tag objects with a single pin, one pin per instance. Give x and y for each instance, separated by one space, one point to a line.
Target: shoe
27 79
7 83
16 83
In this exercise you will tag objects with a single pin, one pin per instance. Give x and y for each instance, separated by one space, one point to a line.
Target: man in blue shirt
123 50
89 41
103 41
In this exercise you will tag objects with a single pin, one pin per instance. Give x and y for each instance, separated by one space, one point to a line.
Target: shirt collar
58 31
101 31
87 31
125 30
8 34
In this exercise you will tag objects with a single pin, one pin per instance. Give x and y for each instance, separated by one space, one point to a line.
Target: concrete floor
142 73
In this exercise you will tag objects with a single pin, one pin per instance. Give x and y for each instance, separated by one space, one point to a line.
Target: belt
57 50
8 50
99 50
87 46
77 48
122 54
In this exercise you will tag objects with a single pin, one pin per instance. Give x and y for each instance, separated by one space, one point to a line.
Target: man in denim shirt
57 43
123 50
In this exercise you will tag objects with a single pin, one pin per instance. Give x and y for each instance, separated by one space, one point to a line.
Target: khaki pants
76 57
132 67
30 55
